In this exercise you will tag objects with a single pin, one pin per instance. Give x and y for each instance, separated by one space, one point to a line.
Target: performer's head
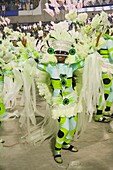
61 50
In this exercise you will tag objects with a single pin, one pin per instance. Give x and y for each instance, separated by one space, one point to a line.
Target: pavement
95 150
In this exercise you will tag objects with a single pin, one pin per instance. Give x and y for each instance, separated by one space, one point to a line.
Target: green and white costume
64 101
2 107
64 98
107 53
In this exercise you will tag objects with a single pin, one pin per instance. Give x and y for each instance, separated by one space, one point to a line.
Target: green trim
105 56
62 120
76 118
103 51
106 76
61 140
110 49
108 104
1 79
45 67
107 113
80 64
58 145
72 132
65 93
68 141
108 36
106 91
57 83
2 109
97 117
108 85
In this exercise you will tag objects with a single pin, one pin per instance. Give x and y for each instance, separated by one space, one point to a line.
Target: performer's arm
78 65
40 66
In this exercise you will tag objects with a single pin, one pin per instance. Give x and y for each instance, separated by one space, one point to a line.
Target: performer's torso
61 78
107 51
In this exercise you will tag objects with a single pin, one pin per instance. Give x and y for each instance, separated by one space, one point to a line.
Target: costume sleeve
78 65
110 49
42 67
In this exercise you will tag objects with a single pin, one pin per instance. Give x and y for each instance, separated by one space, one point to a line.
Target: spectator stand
13 7
9 7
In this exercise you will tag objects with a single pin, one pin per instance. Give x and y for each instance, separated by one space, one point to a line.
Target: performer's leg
2 106
109 102
2 111
1 140
107 111
73 121
62 133
99 117
107 81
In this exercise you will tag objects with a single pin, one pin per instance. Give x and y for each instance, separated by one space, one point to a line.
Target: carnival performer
58 58
2 107
64 101
95 30
13 60
64 98
104 111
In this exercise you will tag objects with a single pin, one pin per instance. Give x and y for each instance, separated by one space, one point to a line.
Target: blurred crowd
8 5
100 2
16 5
37 30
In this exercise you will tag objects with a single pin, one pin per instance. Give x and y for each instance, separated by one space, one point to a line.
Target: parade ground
95 150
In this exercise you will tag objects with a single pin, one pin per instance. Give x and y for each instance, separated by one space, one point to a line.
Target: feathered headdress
59 41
